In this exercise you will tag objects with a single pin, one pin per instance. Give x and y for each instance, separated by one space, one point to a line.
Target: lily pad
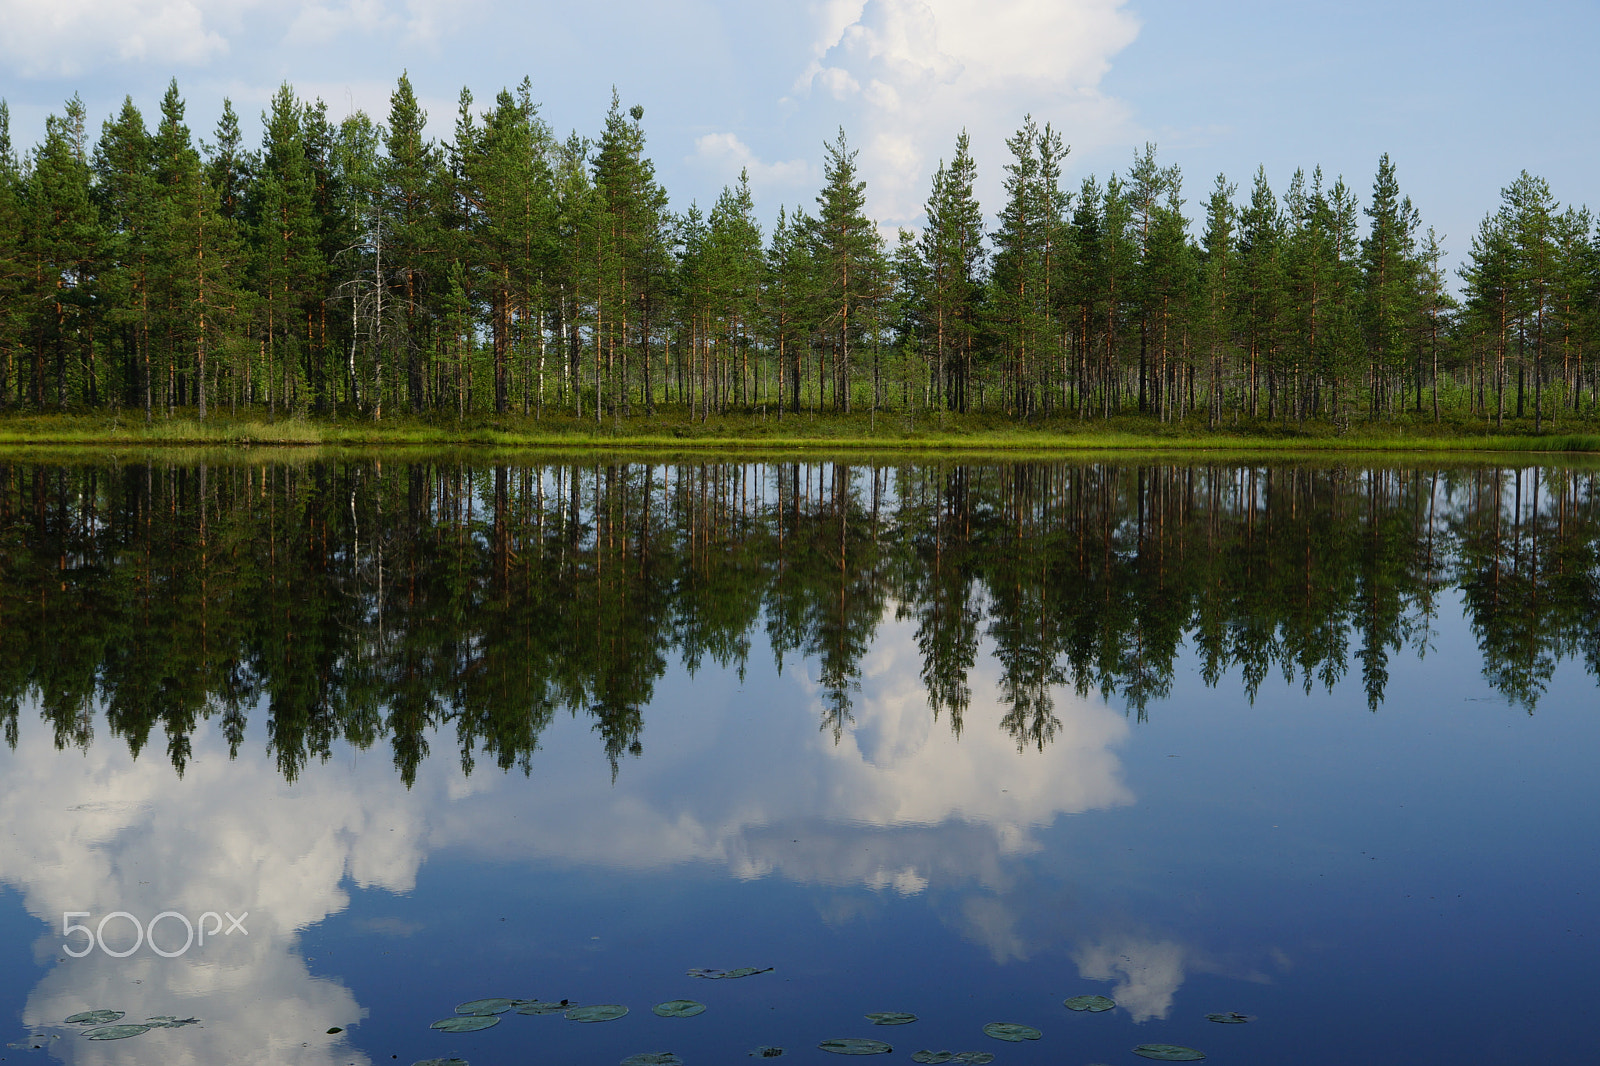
855 1046
95 1017
1011 1031
743 971
1093 1004
116 1032
679 1008
603 1012
973 1058
1231 1017
169 1021
465 1023
748 971
1168 1053
891 1017
932 1057
766 1052
653 1058
535 1006
486 1007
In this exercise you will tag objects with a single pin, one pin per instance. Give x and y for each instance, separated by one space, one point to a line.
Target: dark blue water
1412 883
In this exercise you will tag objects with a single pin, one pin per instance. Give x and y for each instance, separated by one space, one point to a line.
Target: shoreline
803 433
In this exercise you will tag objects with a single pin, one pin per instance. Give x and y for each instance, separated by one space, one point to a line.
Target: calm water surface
1311 743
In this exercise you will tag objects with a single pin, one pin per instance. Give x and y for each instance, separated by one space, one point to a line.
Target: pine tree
1529 212
61 247
1219 263
410 176
287 247
1575 296
791 284
12 257
629 248
128 199
952 250
1436 307
1389 269
846 243
199 260
1261 295
735 258
1489 275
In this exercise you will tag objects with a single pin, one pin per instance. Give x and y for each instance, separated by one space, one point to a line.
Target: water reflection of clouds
743 778
1147 972
98 831
734 775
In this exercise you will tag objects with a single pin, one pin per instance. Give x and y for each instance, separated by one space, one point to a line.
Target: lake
301 755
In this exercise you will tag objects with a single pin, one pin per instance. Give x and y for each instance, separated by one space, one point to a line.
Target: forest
371 601
360 269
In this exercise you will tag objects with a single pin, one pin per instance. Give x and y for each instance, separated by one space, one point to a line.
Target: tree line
363 602
361 267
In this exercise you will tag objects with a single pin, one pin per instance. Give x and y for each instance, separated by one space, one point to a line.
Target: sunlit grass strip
675 432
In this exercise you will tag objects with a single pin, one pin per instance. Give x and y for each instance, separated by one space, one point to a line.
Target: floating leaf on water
934 1057
703 972
534 1006
973 1058
1011 1031
891 1017
1231 1017
335 1029
1093 1004
653 1058
465 1023
440 1062
96 1017
603 1012
116 1032
766 1052
748 971
168 1021
855 1046
1169 1053
679 1008
486 1006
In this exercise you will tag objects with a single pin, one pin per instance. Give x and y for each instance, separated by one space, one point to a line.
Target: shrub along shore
678 430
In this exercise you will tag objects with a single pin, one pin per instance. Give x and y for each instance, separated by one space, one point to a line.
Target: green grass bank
676 431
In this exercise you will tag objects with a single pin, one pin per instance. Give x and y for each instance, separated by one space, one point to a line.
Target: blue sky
1462 95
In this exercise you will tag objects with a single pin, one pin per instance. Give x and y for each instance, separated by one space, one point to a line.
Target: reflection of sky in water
740 777
1276 858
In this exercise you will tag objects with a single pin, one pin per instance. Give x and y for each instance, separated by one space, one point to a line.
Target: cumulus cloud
918 71
725 153
66 38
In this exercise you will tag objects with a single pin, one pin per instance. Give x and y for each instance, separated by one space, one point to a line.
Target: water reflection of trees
374 602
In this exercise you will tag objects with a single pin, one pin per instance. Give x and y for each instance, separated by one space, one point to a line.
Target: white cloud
919 71
728 154
66 37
